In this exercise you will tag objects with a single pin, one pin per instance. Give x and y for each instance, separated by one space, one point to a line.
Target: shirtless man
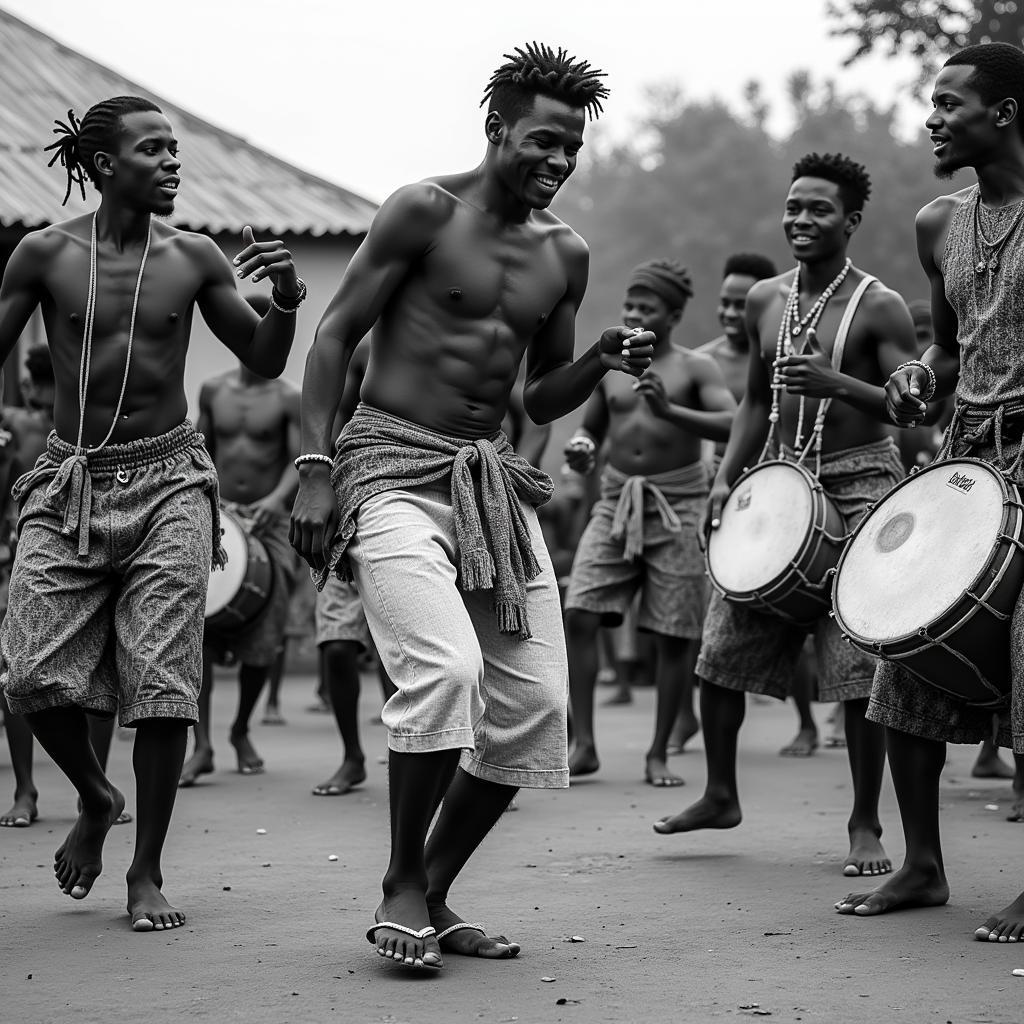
463 275
746 651
119 517
971 245
251 427
642 534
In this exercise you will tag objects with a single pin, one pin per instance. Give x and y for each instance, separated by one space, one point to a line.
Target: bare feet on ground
200 763
583 760
272 716
408 907
867 857
1017 811
686 727
656 773
991 766
79 861
148 909
1006 926
345 779
803 744
909 887
124 818
23 812
249 762
471 940
705 813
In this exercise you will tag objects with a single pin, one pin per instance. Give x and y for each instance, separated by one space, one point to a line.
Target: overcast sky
374 93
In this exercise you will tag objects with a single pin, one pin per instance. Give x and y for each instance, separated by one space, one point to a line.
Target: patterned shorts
119 627
757 653
261 641
340 615
669 575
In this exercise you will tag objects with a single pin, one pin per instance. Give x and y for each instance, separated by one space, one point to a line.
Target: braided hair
850 177
78 142
537 69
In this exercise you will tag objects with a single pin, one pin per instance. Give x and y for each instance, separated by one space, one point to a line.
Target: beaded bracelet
932 383
588 441
313 457
290 303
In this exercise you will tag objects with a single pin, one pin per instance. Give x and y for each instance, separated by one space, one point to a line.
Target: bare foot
468 939
1017 811
866 854
79 861
346 778
583 760
623 695
407 907
909 887
990 765
687 726
148 909
249 762
803 744
656 773
200 763
23 812
124 818
272 716
1006 926
705 813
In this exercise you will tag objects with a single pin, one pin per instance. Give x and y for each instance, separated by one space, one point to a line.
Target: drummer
642 534
744 651
978 314
251 426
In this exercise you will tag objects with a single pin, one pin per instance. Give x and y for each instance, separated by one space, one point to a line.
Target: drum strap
837 361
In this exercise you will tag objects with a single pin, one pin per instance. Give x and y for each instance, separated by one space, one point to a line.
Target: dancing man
462 275
745 651
971 245
119 523
642 535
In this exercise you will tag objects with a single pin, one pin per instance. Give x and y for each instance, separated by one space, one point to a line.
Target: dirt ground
713 926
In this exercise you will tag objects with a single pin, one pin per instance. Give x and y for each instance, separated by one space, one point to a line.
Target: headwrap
667 278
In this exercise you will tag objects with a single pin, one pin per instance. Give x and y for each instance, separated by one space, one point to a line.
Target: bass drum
240 591
779 539
931 577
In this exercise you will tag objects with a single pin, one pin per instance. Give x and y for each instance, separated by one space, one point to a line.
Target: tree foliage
927 30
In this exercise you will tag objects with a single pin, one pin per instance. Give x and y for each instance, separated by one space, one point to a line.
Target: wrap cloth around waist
975 426
69 472
380 452
848 463
664 489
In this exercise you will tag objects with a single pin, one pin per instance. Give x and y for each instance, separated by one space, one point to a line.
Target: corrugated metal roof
227 183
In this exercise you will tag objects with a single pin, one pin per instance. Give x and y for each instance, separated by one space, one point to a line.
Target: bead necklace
990 251
90 318
784 347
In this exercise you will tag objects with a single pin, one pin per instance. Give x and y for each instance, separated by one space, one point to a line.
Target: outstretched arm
261 344
555 384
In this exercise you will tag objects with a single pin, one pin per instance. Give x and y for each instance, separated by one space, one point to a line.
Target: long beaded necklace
990 251
90 319
790 327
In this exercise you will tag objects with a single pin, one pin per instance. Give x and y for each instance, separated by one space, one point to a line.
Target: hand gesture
810 374
314 516
266 510
580 454
626 349
651 389
902 396
267 259
712 512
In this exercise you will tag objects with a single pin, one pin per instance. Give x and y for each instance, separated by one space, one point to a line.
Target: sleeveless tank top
989 306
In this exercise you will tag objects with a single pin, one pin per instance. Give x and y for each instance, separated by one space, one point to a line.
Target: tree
928 30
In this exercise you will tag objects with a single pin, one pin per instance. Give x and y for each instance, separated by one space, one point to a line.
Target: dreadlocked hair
538 69
78 142
998 73
851 177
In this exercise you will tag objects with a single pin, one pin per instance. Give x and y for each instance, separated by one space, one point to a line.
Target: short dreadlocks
536 69
851 177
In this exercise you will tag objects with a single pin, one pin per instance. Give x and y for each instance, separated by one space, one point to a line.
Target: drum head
224 583
919 550
765 522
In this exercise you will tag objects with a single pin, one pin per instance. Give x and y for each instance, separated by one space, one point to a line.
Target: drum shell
979 670
800 594
252 595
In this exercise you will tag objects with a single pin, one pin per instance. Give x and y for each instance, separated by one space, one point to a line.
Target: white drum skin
238 593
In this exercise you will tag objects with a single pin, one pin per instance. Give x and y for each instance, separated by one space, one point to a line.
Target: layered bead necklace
792 326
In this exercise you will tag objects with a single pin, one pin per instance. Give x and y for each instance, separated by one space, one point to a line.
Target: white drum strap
837 361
